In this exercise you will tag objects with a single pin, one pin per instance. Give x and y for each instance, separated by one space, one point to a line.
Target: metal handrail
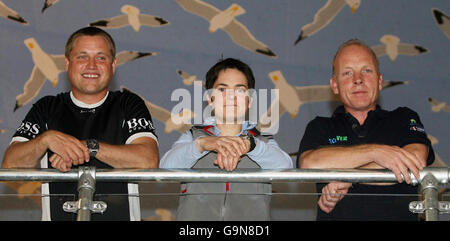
430 178
217 175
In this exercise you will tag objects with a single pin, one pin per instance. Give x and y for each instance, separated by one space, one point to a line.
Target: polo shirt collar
378 112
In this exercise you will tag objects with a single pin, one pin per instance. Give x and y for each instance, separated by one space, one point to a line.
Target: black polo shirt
118 119
369 202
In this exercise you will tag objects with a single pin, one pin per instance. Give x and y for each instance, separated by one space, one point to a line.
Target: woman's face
230 97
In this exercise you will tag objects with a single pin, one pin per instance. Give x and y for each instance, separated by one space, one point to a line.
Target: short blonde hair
358 42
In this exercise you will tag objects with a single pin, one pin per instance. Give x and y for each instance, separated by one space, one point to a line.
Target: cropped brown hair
90 31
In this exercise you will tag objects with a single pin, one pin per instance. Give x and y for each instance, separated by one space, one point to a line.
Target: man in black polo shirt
362 135
87 126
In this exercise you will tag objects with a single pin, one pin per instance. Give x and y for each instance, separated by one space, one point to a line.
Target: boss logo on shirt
29 129
139 124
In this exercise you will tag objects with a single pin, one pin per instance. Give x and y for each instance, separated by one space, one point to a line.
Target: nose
230 94
91 63
357 79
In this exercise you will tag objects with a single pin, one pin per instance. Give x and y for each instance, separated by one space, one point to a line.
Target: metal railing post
86 188
430 205
430 194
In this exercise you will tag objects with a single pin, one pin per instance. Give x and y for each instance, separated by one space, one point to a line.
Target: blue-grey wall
186 44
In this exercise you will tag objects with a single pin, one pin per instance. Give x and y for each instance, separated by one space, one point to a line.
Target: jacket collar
211 121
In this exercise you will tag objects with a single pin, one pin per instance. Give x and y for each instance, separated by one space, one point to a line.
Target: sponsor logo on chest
334 140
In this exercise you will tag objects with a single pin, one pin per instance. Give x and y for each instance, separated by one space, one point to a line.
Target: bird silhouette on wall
189 79
325 15
48 3
392 47
166 116
437 106
132 17
292 97
226 21
48 67
10 14
442 20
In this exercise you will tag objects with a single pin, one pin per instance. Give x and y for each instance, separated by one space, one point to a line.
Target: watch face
92 144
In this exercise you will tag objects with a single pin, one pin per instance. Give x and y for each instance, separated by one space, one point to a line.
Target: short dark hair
90 31
229 63
358 42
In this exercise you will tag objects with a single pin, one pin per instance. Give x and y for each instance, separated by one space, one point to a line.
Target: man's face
230 96
356 79
90 66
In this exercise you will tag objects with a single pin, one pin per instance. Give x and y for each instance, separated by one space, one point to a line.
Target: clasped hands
229 149
68 150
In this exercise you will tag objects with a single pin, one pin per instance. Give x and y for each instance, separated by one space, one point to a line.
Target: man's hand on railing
58 162
398 160
66 146
332 193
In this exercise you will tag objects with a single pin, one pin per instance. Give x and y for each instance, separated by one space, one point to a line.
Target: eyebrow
84 52
238 85
363 67
347 68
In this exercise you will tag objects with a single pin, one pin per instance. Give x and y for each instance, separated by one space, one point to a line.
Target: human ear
334 86
380 82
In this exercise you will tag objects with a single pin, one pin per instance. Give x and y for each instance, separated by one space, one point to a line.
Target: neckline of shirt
246 126
378 111
87 106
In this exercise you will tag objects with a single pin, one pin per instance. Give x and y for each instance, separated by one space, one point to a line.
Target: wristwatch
93 146
251 139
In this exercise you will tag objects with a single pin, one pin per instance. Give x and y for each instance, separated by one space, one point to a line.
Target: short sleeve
412 131
138 121
34 123
314 136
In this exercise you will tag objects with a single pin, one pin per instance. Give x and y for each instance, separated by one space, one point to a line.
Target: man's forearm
360 156
420 150
24 154
399 160
337 157
143 154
